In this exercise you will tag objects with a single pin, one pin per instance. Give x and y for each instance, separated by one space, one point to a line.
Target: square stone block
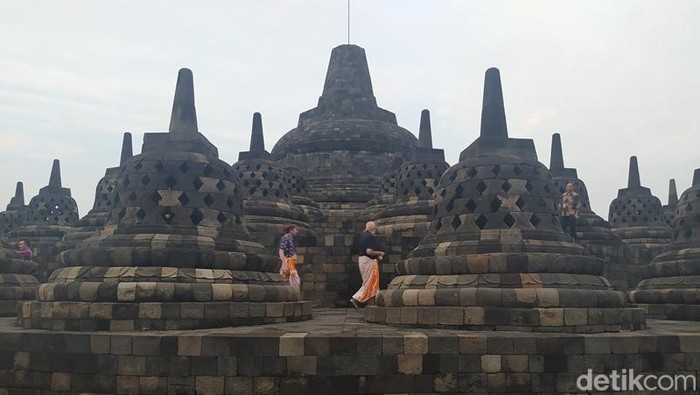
292 344
415 343
552 317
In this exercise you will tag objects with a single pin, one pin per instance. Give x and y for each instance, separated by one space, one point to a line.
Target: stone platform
337 352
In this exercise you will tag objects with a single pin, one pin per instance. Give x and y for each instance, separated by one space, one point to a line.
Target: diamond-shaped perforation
456 222
229 203
140 214
207 171
472 172
509 220
495 204
170 181
689 207
438 224
529 186
471 205
132 196
450 205
547 189
443 192
183 199
145 180
159 166
481 187
167 214
221 218
196 217
481 222
197 183
520 202
517 171
496 170
459 190
535 220
155 196
138 166
506 186
184 168
208 200
220 185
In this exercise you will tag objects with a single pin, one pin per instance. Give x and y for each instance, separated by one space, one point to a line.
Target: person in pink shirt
23 251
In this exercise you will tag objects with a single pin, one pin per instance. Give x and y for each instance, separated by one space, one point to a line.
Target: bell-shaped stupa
179 255
266 197
638 217
407 220
671 289
670 208
14 215
50 215
496 257
593 232
345 146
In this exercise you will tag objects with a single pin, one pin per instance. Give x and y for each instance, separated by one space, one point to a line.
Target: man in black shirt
368 262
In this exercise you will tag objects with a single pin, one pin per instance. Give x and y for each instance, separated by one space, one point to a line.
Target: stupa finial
183 119
672 193
493 114
633 177
127 149
556 159
257 140
55 178
425 136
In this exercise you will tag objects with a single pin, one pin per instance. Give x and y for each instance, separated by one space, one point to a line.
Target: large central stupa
346 145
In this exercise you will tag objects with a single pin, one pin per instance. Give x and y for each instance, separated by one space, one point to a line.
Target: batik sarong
369 269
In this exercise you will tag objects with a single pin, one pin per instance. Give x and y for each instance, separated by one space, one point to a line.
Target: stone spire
696 177
347 91
670 208
257 142
55 181
493 113
425 136
633 181
556 159
17 201
127 149
183 119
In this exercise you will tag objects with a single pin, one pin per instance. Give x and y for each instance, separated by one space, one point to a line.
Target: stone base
679 312
8 308
565 320
88 316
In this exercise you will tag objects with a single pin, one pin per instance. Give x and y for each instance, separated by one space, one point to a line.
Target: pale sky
615 78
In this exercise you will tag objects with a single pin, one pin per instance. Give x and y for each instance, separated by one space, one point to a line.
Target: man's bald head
371 227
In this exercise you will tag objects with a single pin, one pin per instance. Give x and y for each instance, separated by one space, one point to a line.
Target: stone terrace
336 352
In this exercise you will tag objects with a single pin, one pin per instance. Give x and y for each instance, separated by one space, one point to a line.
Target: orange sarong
369 269
289 271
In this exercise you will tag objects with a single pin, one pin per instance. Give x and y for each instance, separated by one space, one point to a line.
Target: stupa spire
348 73
493 114
672 193
55 178
556 159
696 177
183 119
257 140
19 193
127 149
425 135
633 176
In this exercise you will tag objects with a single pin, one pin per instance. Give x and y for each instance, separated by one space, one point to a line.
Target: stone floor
335 352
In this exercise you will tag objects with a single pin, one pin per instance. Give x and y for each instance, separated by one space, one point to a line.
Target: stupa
593 232
496 257
345 146
14 215
178 256
17 281
50 216
672 287
670 208
266 197
638 218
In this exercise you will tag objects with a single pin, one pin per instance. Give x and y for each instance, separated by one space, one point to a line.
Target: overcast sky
615 78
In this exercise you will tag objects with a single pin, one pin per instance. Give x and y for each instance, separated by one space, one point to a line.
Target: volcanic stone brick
495 227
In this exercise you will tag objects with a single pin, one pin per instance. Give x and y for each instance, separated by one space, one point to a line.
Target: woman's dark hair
289 228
